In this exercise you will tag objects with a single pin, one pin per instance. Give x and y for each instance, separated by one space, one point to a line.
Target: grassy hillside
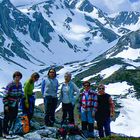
132 77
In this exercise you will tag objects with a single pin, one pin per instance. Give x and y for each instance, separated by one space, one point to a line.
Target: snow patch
130 53
130 68
39 101
118 88
128 121
104 73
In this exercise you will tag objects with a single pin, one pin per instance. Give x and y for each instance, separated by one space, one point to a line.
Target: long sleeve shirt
112 106
88 101
67 92
28 89
49 87
12 94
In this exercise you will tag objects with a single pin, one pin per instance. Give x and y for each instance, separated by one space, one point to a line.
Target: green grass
115 137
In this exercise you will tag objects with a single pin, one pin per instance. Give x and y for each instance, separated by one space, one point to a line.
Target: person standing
87 109
28 102
49 89
105 110
12 95
67 97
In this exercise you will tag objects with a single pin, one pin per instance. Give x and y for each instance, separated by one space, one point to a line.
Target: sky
108 6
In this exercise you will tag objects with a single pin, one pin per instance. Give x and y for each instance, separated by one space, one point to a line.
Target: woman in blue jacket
68 98
49 91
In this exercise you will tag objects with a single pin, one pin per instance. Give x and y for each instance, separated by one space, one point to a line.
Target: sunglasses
101 88
51 72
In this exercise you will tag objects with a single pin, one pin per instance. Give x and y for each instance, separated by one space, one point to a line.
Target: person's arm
60 93
22 92
26 92
57 85
6 94
95 104
76 89
79 104
43 88
112 107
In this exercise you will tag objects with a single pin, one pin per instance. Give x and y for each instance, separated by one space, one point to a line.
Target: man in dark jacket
105 110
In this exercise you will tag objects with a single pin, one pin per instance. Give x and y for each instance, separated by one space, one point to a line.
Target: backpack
68 130
20 126
25 124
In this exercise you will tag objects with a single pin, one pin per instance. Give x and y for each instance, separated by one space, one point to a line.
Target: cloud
112 6
108 6
136 6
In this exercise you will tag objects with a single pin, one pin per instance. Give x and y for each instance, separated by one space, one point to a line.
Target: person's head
52 73
67 77
86 85
101 89
34 77
17 76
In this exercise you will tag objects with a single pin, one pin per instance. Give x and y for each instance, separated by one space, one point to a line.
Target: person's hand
6 108
93 114
79 116
112 114
26 104
73 105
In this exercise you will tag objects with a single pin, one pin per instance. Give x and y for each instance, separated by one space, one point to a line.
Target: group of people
92 105
13 95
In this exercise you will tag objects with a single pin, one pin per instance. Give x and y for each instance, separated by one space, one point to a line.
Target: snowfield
128 121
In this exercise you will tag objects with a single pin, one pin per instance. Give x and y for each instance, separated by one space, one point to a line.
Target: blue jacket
72 89
49 87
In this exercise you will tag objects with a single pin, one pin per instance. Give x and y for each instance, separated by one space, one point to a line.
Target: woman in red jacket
87 109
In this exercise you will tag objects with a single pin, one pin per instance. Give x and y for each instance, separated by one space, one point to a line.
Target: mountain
118 68
75 36
124 56
37 27
125 21
125 18
29 36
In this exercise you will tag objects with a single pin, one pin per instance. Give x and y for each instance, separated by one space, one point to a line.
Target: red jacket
89 102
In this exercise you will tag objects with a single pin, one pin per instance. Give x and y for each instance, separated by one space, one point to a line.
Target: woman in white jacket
68 98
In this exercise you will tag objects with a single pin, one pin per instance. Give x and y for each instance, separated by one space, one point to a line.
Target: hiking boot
11 136
4 135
